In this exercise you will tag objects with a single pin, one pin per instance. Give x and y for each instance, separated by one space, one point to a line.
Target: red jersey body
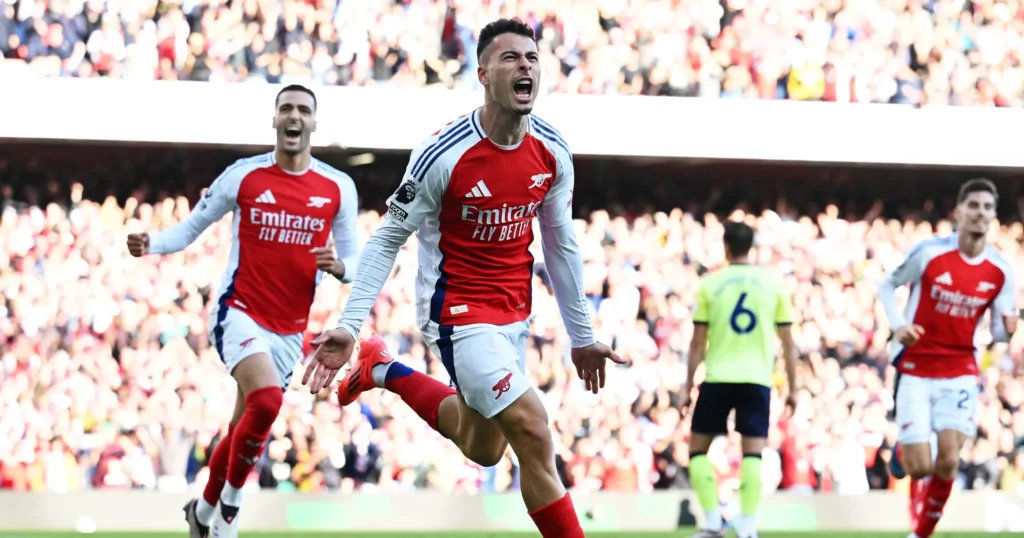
472 203
278 217
949 294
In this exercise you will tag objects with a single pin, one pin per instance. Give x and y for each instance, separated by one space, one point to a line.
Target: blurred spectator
108 380
938 52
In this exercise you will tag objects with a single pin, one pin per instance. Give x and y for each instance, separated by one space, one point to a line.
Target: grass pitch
676 534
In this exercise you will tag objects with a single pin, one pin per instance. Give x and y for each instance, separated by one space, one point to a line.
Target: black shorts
751 402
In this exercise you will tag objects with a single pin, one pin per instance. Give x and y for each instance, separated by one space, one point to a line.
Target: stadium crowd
108 380
917 52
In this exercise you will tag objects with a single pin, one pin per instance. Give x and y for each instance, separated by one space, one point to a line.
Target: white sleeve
217 201
421 190
562 257
375 264
345 228
556 209
1004 303
407 208
910 270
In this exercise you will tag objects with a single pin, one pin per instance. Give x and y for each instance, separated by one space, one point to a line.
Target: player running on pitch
739 309
471 192
286 205
953 280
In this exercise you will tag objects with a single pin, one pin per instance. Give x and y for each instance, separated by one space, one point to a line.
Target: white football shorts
236 336
925 405
487 363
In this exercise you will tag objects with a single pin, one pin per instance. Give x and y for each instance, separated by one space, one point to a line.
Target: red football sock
218 469
421 392
915 495
934 500
261 409
558 520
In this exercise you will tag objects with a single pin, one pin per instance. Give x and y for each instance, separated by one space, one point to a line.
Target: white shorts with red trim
237 337
487 363
925 405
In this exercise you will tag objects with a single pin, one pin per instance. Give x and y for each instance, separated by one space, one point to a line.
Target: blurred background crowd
935 52
108 379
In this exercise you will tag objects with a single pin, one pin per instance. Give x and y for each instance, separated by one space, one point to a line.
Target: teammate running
953 280
737 311
471 192
286 205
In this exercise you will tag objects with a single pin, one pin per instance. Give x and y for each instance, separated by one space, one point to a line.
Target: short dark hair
739 238
296 88
497 28
979 184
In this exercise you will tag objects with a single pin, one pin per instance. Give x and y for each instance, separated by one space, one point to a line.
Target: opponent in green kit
739 310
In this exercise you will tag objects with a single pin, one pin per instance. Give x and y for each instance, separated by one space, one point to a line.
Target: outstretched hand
335 350
590 364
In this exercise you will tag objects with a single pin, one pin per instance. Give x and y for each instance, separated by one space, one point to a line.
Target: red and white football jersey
949 294
472 204
278 217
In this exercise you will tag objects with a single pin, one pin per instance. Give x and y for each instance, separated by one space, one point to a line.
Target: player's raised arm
908 271
418 196
345 230
565 266
219 199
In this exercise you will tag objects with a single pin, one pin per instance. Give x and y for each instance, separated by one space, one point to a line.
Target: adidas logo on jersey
945 278
479 191
266 198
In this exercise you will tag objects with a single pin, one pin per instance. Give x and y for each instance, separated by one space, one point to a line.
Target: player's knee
531 438
919 471
916 467
264 404
946 464
525 425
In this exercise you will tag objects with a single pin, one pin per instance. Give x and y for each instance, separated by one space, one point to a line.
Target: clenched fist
908 334
138 244
326 262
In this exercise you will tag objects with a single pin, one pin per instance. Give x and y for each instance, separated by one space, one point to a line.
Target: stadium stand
931 52
107 380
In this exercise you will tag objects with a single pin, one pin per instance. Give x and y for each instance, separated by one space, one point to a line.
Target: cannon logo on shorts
503 386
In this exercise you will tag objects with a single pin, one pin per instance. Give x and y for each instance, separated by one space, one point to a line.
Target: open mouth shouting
522 89
292 134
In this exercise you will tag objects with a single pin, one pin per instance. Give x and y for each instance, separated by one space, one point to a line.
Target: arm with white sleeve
345 230
407 208
562 256
1003 311
218 200
910 270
